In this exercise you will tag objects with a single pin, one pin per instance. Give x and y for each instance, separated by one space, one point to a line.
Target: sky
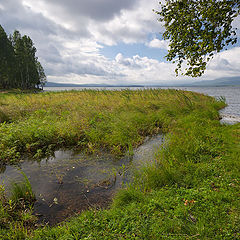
103 41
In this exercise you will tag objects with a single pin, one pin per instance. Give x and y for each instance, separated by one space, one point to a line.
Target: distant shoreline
220 82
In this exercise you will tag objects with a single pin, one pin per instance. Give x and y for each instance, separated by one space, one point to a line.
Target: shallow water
71 182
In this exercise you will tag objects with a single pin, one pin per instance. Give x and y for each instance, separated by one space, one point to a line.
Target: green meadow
192 190
116 121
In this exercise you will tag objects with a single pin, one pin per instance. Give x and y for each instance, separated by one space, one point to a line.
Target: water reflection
71 182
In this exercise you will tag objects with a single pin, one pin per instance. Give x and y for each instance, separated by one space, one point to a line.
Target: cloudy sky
103 41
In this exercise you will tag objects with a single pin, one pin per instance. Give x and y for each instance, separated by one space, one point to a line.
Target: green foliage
7 60
196 30
126 196
19 67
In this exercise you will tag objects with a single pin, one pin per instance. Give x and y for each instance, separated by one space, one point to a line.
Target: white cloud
224 64
156 43
70 34
236 22
108 21
1 7
144 70
131 26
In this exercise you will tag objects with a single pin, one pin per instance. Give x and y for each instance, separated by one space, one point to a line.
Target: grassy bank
115 121
191 192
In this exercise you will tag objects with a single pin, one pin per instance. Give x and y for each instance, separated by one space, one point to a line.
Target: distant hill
53 84
230 81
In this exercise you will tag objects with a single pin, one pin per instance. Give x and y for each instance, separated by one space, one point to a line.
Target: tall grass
16 211
37 124
21 193
192 192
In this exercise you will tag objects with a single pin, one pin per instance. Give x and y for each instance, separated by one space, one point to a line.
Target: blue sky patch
130 50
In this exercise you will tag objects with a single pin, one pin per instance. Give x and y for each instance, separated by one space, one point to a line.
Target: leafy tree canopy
196 29
19 67
6 58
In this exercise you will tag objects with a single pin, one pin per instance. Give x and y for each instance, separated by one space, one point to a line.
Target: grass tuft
21 193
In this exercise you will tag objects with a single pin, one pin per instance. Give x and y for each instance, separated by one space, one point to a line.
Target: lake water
230 114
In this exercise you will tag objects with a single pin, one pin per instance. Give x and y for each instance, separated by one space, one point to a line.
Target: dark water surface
71 182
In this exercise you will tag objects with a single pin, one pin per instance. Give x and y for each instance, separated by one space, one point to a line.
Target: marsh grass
187 200
90 120
21 193
191 192
16 211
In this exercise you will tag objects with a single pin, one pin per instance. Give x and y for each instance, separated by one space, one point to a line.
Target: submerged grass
191 192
